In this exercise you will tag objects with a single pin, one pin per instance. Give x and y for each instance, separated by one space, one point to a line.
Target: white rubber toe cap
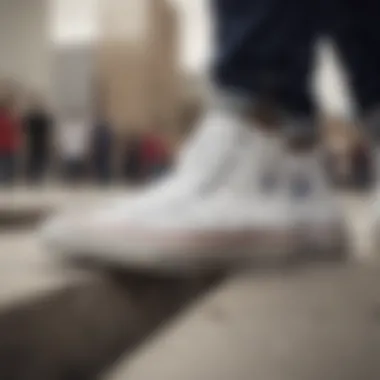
60 234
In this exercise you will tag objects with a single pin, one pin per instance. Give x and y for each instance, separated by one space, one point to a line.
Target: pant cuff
301 132
371 123
232 100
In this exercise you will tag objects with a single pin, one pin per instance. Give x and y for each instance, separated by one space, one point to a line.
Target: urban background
105 91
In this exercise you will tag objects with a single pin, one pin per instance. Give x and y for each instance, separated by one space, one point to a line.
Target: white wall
196 26
73 21
31 32
24 44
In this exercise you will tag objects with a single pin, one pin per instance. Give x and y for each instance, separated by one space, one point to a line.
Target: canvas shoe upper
203 166
317 218
213 228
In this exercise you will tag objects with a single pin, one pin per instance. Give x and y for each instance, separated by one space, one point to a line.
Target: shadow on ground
79 332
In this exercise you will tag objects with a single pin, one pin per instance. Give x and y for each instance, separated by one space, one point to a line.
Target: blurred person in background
155 154
38 124
102 146
10 141
74 135
251 175
132 158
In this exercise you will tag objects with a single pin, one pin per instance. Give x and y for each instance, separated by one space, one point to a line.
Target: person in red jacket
155 155
9 142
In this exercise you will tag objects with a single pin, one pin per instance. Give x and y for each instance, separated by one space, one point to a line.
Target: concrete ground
312 322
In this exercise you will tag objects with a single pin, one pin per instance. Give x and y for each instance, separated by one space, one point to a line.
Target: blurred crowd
36 146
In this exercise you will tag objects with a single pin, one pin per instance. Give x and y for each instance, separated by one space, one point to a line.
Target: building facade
138 73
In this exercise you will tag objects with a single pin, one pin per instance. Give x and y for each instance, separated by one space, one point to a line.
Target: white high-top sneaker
317 218
217 208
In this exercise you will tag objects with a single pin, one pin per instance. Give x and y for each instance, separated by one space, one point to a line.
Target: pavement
310 322
26 270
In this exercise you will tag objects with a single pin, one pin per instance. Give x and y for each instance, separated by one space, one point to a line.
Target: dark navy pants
266 47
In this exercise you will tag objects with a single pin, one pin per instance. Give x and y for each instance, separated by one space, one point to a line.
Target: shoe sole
208 251
328 243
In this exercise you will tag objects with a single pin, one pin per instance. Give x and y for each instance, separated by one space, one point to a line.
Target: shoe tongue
215 138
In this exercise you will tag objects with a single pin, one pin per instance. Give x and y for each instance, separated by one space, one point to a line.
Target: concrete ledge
78 331
25 206
59 322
